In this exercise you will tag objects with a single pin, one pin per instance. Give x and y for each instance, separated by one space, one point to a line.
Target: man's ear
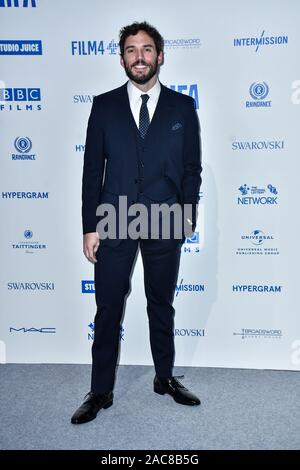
122 61
160 58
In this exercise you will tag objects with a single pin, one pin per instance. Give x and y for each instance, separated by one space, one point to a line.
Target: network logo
44 330
23 145
262 40
18 3
91 333
188 288
94 47
258 91
18 47
258 333
254 195
28 245
190 90
192 43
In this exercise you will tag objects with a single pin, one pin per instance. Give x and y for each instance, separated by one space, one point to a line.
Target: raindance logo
92 332
258 91
263 40
29 246
257 238
259 333
253 195
23 145
182 43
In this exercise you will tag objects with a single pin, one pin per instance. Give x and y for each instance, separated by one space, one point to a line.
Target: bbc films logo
257 243
256 195
258 333
28 244
23 146
260 41
20 99
21 47
258 93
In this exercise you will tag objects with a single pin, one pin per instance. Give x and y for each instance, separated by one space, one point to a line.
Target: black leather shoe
90 407
174 388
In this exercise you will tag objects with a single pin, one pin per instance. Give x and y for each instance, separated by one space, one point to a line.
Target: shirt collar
134 93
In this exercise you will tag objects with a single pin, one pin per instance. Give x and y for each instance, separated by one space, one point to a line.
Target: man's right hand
91 242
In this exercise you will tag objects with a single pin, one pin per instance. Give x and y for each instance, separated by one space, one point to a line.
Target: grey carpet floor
241 409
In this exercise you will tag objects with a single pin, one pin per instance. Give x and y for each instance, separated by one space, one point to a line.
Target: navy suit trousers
113 270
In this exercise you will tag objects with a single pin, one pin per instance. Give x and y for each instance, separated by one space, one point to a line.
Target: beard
141 79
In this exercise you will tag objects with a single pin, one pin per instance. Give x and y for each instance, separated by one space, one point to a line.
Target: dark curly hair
134 28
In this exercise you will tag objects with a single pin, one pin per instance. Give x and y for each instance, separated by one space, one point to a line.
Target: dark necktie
144 117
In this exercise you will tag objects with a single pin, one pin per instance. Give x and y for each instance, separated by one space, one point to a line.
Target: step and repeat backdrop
237 298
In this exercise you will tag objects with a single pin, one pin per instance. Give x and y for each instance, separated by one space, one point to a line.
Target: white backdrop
237 302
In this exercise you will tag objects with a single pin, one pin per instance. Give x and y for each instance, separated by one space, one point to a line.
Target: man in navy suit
142 144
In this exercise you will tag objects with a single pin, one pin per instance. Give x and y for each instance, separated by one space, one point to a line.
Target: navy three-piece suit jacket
163 167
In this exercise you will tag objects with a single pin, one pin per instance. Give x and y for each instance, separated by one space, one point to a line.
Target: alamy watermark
155 221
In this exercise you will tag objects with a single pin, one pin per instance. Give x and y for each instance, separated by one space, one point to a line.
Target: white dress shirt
135 100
